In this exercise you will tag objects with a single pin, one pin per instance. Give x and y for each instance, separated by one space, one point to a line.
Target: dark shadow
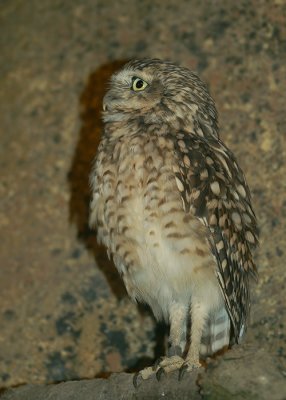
89 137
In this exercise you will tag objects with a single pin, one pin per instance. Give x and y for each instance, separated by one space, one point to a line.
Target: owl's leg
177 343
177 340
199 314
178 328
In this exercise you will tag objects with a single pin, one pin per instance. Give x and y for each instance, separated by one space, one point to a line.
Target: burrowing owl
172 207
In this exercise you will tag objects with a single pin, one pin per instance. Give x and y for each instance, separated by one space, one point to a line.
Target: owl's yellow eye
138 84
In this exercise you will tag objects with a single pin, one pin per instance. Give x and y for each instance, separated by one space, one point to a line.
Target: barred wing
213 186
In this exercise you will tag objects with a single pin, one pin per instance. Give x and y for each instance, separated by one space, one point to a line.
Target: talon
137 380
159 373
182 371
156 363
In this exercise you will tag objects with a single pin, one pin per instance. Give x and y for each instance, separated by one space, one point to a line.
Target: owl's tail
216 334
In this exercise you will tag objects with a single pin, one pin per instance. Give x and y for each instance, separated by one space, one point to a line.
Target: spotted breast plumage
172 207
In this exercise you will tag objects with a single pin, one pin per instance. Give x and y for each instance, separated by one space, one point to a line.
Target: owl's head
157 92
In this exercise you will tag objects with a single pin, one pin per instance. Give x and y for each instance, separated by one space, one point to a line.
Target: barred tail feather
216 334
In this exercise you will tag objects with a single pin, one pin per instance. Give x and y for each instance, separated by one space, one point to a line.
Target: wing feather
216 191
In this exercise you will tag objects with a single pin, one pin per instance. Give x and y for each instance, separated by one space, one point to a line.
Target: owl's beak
106 101
109 101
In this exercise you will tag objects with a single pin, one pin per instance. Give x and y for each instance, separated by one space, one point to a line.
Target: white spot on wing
179 184
249 237
215 188
236 218
241 190
220 245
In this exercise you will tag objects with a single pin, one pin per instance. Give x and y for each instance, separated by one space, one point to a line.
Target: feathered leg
199 314
177 343
178 328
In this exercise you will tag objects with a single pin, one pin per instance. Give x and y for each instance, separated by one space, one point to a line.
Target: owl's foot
169 364
142 376
164 366
188 366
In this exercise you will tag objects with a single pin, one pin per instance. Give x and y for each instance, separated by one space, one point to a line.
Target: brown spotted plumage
173 208
215 188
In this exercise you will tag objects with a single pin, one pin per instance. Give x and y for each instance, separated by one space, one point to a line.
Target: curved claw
157 363
159 373
182 371
137 379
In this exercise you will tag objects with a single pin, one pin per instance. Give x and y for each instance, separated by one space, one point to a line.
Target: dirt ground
64 313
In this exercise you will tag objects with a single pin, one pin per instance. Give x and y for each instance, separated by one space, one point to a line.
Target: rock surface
240 374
